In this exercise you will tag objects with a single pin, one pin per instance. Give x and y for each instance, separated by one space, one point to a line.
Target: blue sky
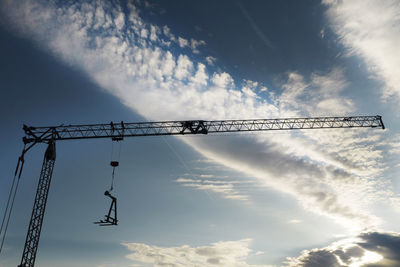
304 198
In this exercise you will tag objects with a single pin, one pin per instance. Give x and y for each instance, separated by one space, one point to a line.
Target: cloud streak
223 253
374 36
225 188
254 25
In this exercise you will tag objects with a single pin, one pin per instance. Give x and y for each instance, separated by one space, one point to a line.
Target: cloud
194 44
223 253
334 173
201 77
323 190
220 186
168 34
183 68
374 36
222 80
319 96
210 60
183 42
368 249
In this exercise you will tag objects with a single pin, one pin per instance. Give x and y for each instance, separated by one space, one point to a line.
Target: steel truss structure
120 130
117 131
39 207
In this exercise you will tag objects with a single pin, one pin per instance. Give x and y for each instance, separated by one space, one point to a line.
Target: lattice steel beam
39 207
121 130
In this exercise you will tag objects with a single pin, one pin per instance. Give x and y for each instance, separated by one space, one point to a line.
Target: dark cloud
386 244
320 258
369 249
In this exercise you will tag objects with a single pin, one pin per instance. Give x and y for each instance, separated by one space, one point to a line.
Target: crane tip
381 121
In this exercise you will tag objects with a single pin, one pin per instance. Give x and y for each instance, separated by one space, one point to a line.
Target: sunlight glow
368 257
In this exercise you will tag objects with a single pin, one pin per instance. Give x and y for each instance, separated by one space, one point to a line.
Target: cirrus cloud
223 253
374 36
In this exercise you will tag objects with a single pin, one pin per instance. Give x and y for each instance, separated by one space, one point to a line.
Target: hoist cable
112 151
9 214
9 197
180 158
112 180
112 160
119 151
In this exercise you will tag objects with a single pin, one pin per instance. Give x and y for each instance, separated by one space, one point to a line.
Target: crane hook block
114 163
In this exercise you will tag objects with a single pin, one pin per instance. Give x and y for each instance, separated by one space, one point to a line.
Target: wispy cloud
210 60
223 253
320 95
335 174
374 36
221 186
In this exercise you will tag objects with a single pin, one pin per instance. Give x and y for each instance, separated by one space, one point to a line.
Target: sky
289 198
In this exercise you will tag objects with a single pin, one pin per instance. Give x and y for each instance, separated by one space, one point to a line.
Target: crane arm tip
381 121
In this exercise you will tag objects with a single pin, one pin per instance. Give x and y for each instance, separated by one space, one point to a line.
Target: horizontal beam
118 131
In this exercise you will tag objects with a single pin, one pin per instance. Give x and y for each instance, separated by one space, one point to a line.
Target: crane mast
118 131
39 207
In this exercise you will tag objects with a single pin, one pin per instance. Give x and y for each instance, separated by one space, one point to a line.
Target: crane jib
121 130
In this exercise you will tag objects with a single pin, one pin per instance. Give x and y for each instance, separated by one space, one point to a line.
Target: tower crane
118 131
